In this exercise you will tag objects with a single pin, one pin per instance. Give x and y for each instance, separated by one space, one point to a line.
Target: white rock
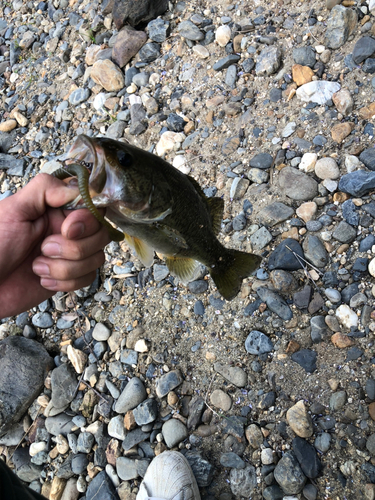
320 48
267 456
116 427
330 185
346 316
351 163
308 161
371 6
77 358
319 91
37 447
110 470
99 101
50 166
289 129
201 51
154 79
141 346
180 163
101 332
168 141
371 267
222 35
326 168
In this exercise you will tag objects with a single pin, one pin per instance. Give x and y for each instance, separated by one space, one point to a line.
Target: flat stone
297 185
168 382
283 256
274 213
258 343
306 358
364 48
133 394
221 400
235 375
340 24
128 43
268 61
63 385
315 251
304 56
301 74
320 91
108 75
357 183
307 457
275 303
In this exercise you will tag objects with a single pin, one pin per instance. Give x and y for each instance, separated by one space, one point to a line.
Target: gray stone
344 233
297 185
146 412
24 364
260 238
42 320
322 442
149 52
60 424
189 30
203 470
232 460
289 475
305 56
357 183
79 463
235 375
283 256
268 61
274 213
337 400
341 23
85 442
258 343
306 358
174 431
78 96
364 48
262 161
243 482
168 382
225 62
133 394
101 487
368 155
315 251
116 427
64 385
133 438
275 303
157 30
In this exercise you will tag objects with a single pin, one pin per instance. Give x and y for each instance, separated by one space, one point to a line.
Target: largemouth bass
158 208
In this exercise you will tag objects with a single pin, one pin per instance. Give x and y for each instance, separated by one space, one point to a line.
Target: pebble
258 343
289 475
346 316
221 400
235 375
133 394
174 432
223 35
299 420
306 358
297 185
319 91
243 481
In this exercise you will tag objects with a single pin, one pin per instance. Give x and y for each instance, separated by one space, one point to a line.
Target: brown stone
8 125
172 398
159 448
129 421
341 340
57 488
301 74
108 75
367 112
299 420
371 410
292 347
341 130
128 43
210 116
369 491
189 127
113 451
237 43
343 101
215 101
342 249
340 197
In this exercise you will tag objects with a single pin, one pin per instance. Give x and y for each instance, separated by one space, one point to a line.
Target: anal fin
182 267
143 251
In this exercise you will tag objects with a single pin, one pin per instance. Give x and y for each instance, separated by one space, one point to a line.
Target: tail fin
233 267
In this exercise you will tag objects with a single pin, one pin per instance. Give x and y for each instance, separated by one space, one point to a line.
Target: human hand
44 249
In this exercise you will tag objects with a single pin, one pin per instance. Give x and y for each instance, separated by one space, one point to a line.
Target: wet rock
31 362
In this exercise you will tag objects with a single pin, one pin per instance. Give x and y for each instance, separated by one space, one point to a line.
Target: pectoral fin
143 251
182 267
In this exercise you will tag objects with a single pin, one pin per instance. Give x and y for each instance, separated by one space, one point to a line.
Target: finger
65 270
56 246
42 191
80 224
69 285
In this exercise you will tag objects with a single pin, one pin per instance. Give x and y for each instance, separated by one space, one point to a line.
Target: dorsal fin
215 206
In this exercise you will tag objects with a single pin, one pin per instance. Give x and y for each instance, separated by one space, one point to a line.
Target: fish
158 208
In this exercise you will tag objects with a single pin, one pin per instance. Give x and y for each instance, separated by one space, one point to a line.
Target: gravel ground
269 105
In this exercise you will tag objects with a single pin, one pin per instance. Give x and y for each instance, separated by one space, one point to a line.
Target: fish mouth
88 153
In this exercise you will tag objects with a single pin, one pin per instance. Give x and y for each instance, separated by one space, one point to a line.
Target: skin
44 249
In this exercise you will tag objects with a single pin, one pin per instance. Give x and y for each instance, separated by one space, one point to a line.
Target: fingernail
41 269
76 230
48 283
51 250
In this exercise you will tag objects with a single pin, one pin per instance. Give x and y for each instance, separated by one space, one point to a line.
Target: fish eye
125 159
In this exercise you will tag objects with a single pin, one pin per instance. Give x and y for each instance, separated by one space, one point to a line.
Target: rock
306 358
232 460
315 251
158 30
238 188
346 316
174 432
60 424
226 62
322 442
221 400
189 30
254 436
283 256
31 362
341 341
146 412
337 400
307 211
364 48
371 267
344 233
302 74
108 75
8 125
343 101
203 470
233 374
63 385
320 91
77 358
141 11
168 382
243 482
258 343
101 332
274 213
349 212
304 56
260 238
275 303
368 158
340 131
289 475
133 394
308 162
127 45
297 185
326 168
223 35
262 161
268 61
299 420
341 23
307 457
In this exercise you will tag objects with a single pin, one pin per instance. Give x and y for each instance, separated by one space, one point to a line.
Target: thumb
41 192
